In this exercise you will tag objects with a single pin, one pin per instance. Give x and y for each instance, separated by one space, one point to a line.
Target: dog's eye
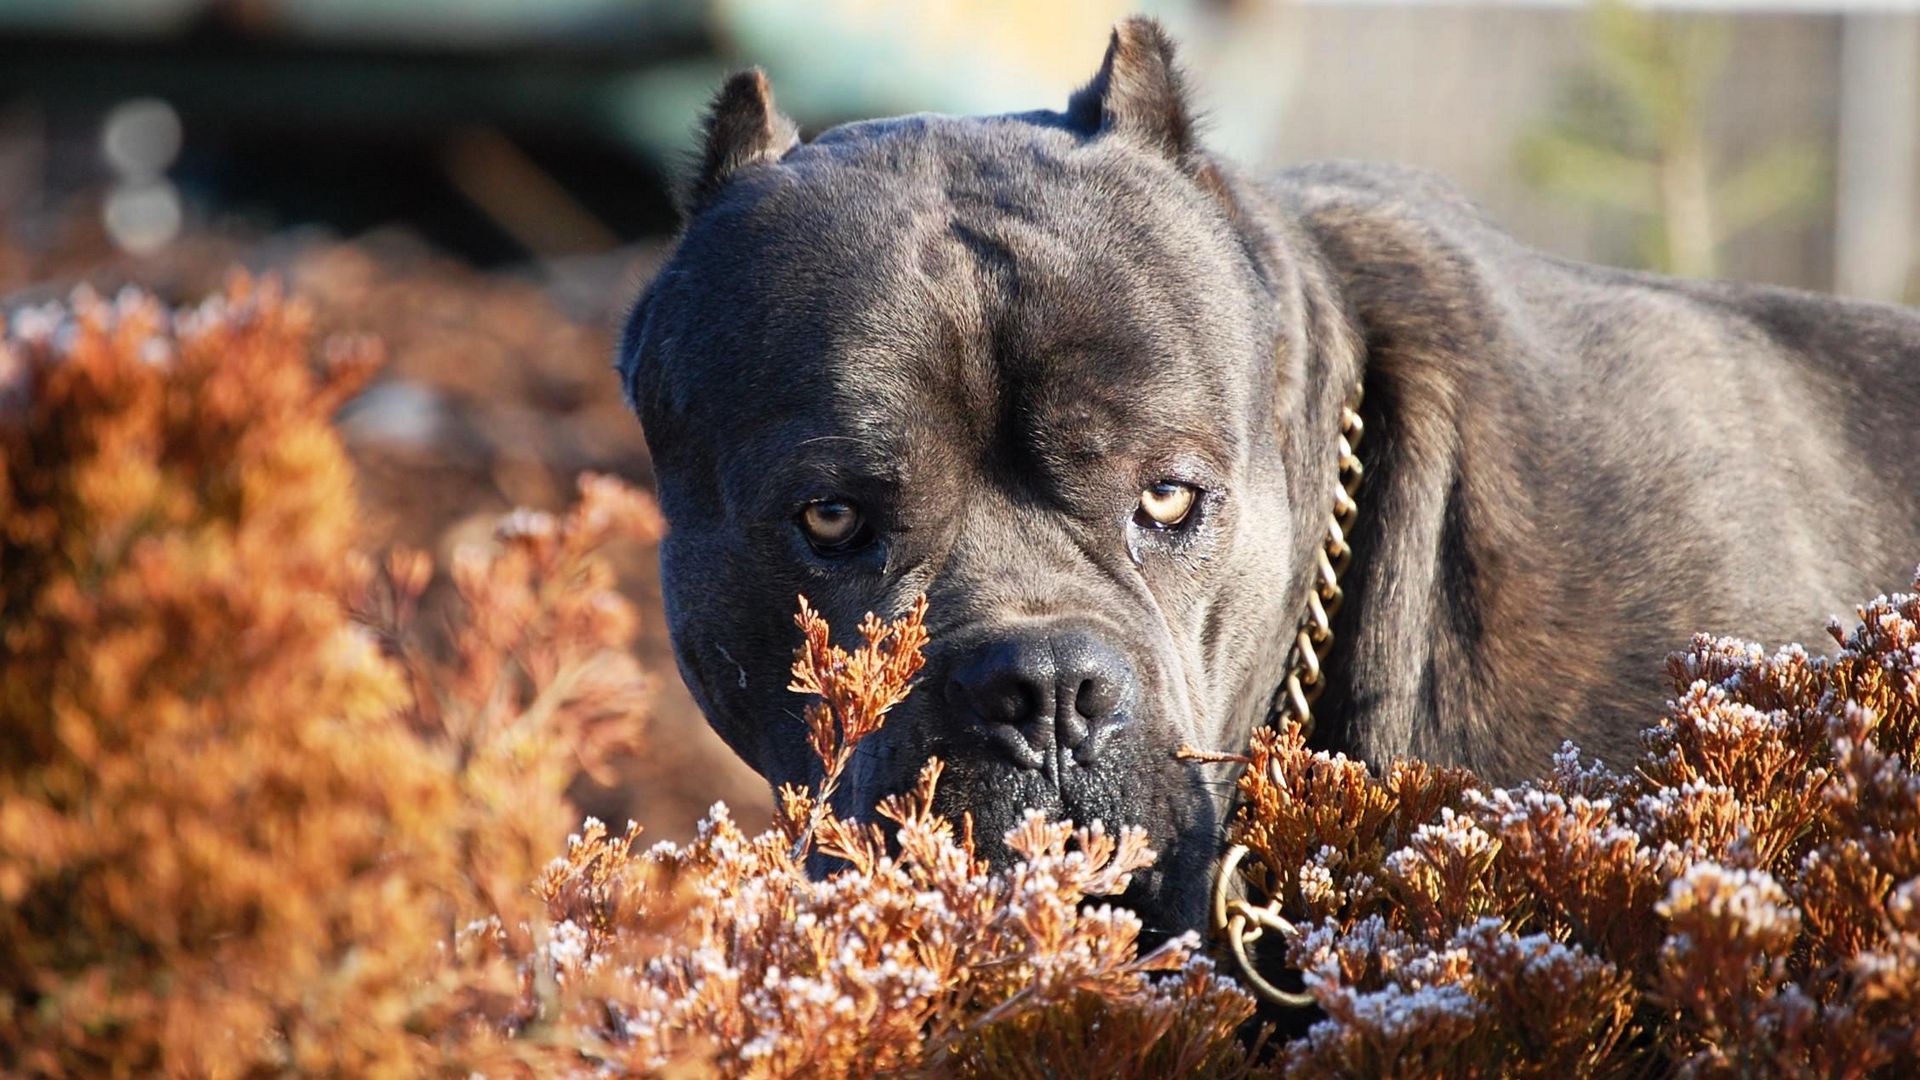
833 526
1165 505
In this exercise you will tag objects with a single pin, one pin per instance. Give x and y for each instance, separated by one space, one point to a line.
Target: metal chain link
1314 640
1240 920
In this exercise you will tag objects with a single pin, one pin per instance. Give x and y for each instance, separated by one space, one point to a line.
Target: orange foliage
224 849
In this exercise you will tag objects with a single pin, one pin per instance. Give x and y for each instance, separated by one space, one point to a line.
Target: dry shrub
252 822
1745 900
494 394
911 958
237 823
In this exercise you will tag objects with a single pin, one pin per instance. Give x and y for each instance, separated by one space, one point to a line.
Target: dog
1087 387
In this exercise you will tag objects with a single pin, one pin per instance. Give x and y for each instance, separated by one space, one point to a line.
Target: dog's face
1023 365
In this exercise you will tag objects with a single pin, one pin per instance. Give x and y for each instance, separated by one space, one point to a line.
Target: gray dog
1084 386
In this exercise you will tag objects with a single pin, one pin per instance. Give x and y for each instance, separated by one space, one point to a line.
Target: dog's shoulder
1745 458
1406 246
1369 182
1358 200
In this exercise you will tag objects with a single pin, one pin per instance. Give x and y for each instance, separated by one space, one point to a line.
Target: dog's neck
1313 640
1367 297
1317 366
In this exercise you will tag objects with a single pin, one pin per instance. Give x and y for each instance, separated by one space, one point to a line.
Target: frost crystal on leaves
1742 898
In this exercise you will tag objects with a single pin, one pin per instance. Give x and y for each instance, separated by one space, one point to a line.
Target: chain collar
1294 698
1239 920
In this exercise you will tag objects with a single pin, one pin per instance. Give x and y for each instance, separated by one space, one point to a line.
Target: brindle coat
983 337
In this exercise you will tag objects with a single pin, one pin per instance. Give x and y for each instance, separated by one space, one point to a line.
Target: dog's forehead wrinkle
1052 412
850 280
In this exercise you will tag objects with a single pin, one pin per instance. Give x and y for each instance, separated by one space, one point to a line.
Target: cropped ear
1139 95
743 129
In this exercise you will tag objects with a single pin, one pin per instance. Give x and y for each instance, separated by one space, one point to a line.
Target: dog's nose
1035 691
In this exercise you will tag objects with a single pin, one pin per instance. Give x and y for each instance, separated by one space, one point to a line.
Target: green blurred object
833 59
1629 136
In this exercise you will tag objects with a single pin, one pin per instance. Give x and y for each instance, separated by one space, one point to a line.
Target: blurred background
486 183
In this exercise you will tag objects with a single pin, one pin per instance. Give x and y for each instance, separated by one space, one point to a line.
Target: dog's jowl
1082 384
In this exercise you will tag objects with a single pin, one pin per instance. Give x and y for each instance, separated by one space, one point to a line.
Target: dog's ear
743 129
1140 95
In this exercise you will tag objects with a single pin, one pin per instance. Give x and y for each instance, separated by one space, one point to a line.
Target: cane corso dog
1081 383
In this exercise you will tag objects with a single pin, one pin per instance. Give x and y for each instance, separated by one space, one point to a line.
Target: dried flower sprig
856 691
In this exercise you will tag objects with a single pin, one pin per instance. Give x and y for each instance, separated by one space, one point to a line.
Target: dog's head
1025 365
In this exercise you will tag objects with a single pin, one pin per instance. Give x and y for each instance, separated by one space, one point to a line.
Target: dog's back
1574 468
